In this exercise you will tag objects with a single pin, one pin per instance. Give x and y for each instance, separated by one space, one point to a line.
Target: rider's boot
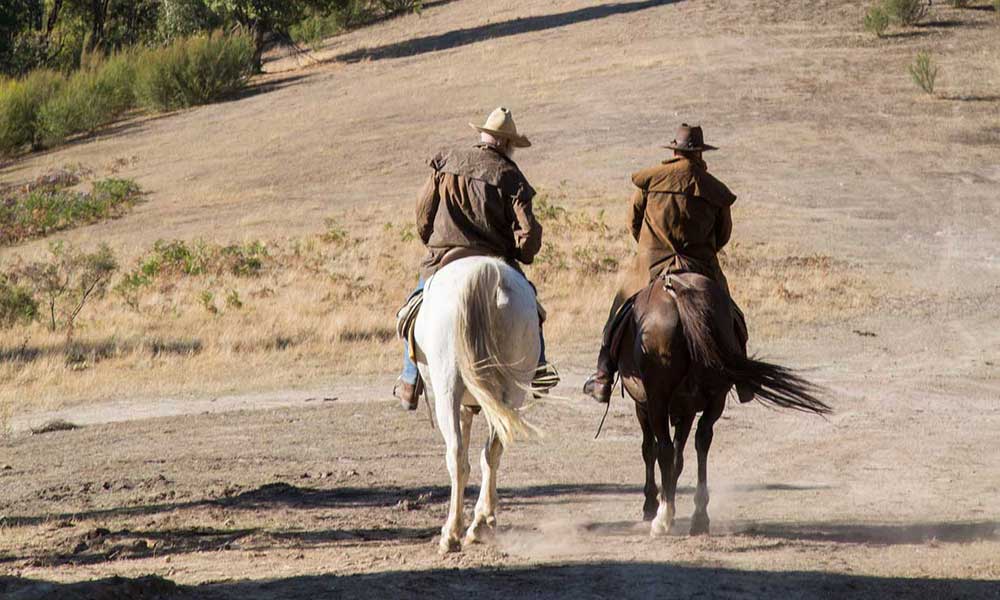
408 393
744 392
598 386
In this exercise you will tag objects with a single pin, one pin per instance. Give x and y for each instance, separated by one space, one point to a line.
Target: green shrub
90 98
43 209
996 7
193 71
876 20
184 18
959 3
924 72
17 304
68 280
907 12
20 101
392 7
315 28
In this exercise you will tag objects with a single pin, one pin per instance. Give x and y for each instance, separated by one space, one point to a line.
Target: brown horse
678 356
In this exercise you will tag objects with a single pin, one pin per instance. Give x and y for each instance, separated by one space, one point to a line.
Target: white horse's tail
479 355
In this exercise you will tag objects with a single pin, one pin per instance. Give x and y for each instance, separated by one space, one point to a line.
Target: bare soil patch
865 252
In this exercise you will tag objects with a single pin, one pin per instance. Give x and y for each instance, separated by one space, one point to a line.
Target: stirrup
546 378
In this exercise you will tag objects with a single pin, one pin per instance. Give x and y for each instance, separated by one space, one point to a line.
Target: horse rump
480 356
708 326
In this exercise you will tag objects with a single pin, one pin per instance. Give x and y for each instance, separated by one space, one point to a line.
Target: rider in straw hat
476 202
681 219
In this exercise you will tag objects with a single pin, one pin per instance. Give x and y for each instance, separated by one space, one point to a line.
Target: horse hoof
449 545
480 534
658 529
699 527
648 515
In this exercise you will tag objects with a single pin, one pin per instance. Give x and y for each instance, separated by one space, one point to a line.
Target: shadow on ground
879 534
470 35
576 581
281 494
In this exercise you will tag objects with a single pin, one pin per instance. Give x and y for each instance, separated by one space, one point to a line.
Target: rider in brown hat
681 219
476 202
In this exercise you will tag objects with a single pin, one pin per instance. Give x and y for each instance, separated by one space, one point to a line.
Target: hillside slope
831 148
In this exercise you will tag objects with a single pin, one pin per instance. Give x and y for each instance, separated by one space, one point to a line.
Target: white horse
477 345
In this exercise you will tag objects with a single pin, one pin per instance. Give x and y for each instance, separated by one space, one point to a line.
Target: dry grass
323 306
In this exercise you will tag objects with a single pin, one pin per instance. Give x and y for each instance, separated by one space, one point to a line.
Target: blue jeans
410 370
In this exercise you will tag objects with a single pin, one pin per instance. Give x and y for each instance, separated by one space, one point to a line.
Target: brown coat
476 203
681 218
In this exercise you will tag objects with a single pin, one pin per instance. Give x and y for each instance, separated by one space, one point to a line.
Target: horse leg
649 458
484 522
681 430
454 421
703 441
660 424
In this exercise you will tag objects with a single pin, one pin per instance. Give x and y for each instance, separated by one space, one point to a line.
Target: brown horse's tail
771 384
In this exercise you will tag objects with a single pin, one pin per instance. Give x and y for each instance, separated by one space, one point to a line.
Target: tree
18 18
67 281
260 18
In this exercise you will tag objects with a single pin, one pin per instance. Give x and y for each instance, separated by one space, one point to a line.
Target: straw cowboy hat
500 124
690 139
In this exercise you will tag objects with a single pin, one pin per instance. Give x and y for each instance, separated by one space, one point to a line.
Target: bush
20 101
876 20
17 305
193 71
391 7
89 99
924 72
68 280
959 3
184 18
42 209
314 29
996 7
907 12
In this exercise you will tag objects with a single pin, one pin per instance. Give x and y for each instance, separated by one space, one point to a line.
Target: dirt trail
831 151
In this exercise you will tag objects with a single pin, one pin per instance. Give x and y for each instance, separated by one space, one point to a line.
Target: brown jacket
476 203
681 219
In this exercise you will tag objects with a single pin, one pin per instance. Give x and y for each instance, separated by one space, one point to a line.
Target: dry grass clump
779 289
204 318
576 275
197 317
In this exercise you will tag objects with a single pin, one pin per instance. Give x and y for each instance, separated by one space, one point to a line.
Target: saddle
674 282
406 319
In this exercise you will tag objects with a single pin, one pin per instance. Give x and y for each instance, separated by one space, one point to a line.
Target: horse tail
773 385
478 353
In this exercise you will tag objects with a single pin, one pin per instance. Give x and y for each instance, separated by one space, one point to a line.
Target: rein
607 409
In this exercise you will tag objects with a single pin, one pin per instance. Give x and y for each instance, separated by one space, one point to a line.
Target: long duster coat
681 219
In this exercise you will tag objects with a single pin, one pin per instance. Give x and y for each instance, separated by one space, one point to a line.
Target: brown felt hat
500 124
690 139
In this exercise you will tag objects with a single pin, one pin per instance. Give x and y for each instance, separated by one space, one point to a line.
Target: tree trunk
259 31
50 24
99 15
